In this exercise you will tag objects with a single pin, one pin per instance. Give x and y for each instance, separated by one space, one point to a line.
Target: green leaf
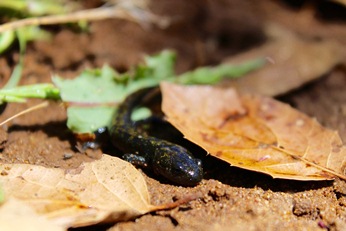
89 119
6 39
101 87
140 113
92 86
161 65
213 75
92 97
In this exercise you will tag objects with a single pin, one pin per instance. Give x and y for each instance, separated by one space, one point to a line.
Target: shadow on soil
233 176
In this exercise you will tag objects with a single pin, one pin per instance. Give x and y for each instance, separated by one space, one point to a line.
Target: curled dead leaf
292 62
108 189
343 2
255 132
16 215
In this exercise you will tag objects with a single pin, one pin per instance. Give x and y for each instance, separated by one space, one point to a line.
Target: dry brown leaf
108 189
16 215
255 132
343 2
292 63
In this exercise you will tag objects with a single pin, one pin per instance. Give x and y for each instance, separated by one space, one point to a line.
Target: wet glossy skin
172 161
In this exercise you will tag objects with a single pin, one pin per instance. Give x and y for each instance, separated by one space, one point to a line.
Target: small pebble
68 156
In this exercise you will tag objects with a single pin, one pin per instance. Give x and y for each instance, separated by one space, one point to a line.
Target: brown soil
204 32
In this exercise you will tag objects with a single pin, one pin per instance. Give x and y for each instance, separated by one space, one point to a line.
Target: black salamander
169 160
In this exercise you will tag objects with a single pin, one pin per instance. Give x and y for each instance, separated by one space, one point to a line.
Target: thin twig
30 109
184 200
134 14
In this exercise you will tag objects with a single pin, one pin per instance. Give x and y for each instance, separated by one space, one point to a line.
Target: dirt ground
203 32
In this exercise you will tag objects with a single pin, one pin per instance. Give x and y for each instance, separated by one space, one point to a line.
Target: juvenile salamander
169 160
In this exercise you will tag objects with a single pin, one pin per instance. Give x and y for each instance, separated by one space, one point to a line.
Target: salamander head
178 165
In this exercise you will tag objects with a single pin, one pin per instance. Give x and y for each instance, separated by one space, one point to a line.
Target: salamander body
167 159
